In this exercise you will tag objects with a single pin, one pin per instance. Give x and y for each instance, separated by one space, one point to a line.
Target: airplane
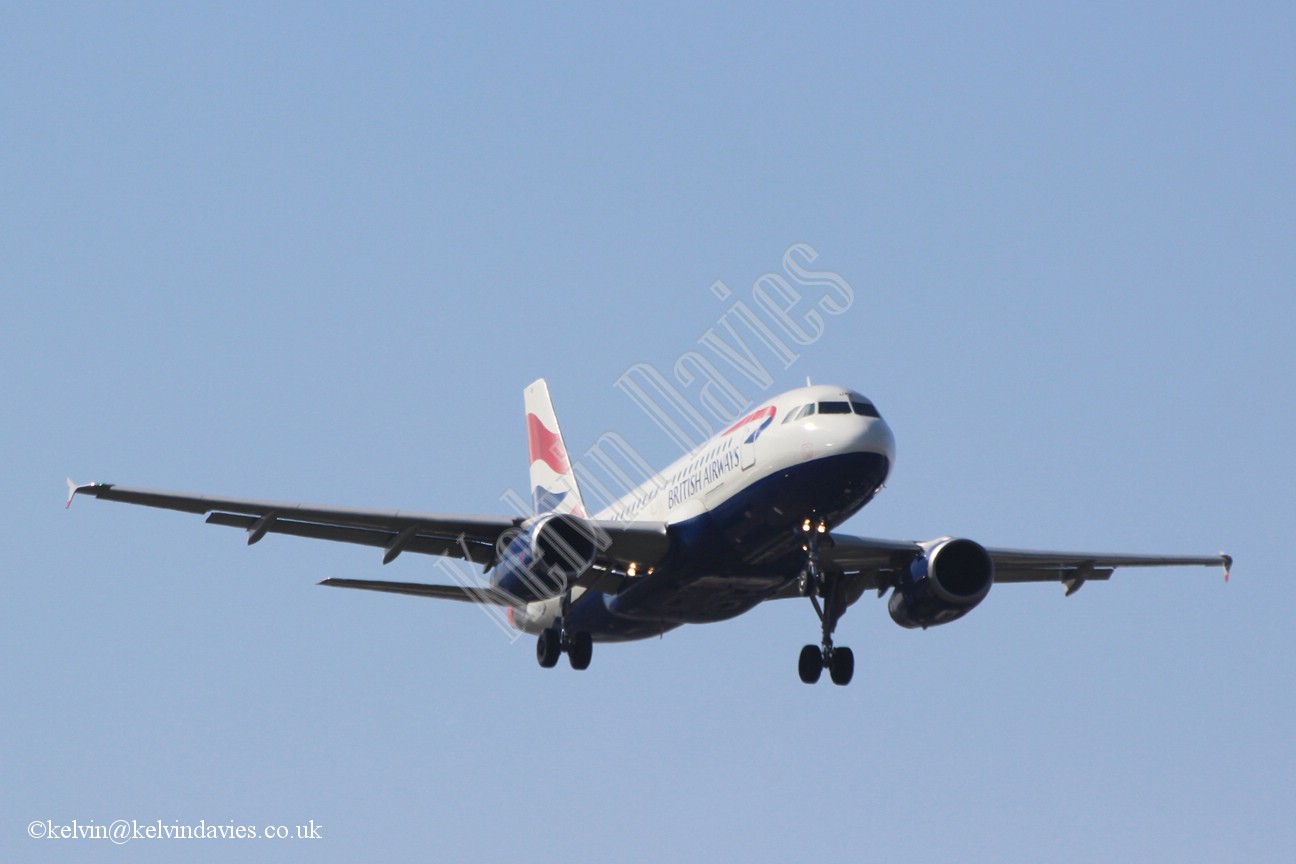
749 516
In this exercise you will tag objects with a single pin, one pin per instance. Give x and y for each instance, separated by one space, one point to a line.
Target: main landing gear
556 641
815 583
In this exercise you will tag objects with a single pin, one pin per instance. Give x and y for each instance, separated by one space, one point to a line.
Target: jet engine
946 583
544 556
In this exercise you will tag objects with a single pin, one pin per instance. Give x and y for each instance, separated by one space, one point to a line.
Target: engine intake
943 585
542 558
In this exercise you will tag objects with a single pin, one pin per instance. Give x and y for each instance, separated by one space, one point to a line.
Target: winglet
1228 564
73 488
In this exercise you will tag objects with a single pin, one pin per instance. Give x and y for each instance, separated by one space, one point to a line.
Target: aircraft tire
811 664
581 651
548 648
841 666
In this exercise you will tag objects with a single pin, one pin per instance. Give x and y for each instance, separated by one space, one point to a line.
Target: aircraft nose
876 437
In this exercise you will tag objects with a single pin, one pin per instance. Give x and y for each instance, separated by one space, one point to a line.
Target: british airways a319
749 516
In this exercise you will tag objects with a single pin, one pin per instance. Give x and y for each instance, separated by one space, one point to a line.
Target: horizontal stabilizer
418 589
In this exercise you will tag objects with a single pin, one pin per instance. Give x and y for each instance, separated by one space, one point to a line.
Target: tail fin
553 483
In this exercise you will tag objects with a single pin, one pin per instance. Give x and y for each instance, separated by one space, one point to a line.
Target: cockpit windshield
798 413
864 409
854 406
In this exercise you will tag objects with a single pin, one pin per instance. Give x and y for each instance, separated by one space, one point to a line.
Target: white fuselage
756 459
729 462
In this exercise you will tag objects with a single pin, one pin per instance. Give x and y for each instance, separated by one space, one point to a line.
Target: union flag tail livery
553 483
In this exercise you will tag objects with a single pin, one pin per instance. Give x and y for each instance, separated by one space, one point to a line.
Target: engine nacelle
943 585
543 557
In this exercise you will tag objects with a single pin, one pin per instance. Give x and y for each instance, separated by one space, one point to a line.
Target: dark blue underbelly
741 552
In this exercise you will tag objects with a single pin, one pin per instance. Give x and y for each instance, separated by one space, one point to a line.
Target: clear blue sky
316 252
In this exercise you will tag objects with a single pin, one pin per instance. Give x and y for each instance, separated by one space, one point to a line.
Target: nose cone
876 438
851 436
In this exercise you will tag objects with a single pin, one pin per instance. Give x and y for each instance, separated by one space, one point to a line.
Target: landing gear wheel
580 650
841 666
811 664
548 648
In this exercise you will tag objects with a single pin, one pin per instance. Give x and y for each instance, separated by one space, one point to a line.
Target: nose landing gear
840 663
816 584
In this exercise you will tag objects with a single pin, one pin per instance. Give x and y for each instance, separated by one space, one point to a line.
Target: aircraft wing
873 563
1028 565
472 538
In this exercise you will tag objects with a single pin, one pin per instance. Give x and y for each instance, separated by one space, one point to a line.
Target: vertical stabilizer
553 483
